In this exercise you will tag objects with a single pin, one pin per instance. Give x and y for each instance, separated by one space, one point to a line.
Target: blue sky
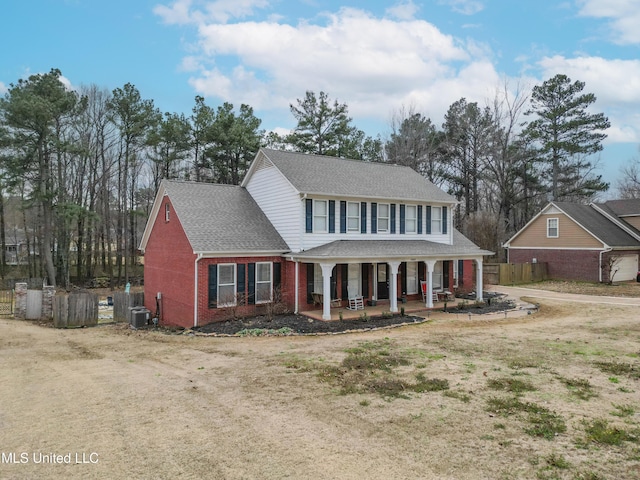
376 56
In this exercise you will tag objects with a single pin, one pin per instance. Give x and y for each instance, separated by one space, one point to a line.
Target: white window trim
549 220
388 218
414 208
436 222
357 228
325 229
270 282
220 303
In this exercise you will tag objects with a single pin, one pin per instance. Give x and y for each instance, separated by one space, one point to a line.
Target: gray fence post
21 301
48 293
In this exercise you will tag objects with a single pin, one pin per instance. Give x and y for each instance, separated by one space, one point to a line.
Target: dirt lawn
555 394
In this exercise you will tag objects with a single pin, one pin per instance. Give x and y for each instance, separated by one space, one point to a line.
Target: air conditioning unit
140 317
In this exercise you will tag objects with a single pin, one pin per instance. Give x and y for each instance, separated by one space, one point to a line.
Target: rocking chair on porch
356 302
423 290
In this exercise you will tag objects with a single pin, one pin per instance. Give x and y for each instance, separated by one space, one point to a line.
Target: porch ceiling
375 250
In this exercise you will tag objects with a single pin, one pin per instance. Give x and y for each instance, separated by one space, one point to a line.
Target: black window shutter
363 217
419 219
213 286
444 219
332 216
365 279
344 279
421 272
310 283
460 271
403 277
403 215
277 275
374 217
392 227
343 216
251 277
309 215
428 225
241 267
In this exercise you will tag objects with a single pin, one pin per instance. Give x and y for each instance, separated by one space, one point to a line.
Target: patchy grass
541 421
618 289
631 370
579 387
601 432
512 385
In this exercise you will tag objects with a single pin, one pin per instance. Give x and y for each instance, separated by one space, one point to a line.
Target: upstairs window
436 219
383 217
167 210
320 216
552 227
353 217
411 219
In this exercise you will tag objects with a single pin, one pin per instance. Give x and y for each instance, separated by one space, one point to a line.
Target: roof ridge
333 157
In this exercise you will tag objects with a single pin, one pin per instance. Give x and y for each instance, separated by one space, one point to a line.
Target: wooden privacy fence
75 310
122 301
514 273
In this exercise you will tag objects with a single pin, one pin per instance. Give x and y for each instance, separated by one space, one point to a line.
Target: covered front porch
383 274
411 307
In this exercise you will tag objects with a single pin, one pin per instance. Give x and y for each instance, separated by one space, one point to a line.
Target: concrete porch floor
411 307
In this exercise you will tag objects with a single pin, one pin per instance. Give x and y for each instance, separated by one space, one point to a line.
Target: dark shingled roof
623 207
318 174
599 225
400 249
222 218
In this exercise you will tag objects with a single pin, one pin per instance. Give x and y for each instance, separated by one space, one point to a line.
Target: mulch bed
302 325
299 324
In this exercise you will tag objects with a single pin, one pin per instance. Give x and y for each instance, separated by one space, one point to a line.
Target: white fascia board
278 253
152 216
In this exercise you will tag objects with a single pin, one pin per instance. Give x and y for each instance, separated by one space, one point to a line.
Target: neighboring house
302 228
582 242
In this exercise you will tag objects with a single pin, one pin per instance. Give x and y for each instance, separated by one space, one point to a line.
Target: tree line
79 169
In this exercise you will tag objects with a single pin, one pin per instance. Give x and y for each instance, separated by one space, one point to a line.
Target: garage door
627 268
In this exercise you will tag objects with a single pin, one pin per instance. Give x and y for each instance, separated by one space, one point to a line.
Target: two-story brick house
305 227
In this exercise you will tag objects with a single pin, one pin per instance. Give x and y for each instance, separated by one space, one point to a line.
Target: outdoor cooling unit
139 317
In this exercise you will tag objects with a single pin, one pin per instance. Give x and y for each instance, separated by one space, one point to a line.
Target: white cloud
465 7
3 88
181 12
373 64
624 17
403 11
616 85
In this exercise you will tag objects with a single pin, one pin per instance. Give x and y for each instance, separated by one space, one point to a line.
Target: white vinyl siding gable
280 203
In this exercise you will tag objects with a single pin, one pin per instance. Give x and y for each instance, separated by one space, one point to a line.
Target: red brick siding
581 265
467 280
215 314
168 269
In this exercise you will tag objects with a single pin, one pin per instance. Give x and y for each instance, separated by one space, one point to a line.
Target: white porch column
430 264
479 279
393 294
326 289
375 281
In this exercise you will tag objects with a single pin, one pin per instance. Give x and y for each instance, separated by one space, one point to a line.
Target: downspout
297 284
606 250
195 293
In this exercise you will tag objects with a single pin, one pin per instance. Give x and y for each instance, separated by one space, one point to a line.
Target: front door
383 281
